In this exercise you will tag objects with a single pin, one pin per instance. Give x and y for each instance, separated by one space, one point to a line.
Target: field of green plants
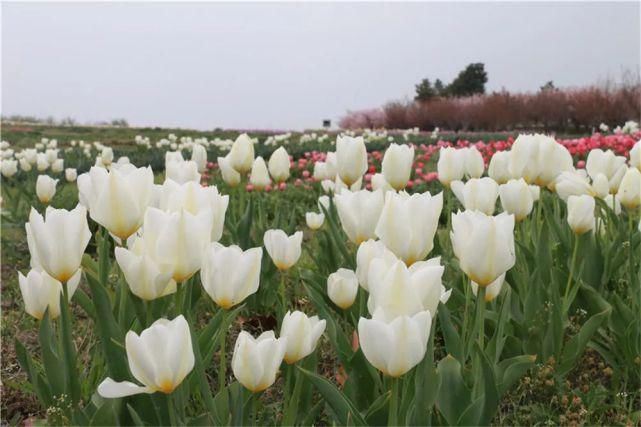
165 277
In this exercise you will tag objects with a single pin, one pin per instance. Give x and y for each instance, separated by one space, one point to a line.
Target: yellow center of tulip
166 387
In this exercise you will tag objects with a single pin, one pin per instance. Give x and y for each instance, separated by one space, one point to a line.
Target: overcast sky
287 65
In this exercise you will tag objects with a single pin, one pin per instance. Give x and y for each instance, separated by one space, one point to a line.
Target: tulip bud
107 156
450 166
45 188
57 166
635 155
259 177
199 156
59 240
342 287
606 163
499 169
230 175
314 220
42 163
516 198
600 186
9 168
395 347
182 172
279 165
359 213
474 165
117 200
379 183
368 251
613 203
351 158
255 362
630 189
229 274
302 334
241 156
581 213
71 174
41 291
146 278
484 245
283 250
25 165
478 194
152 361
407 224
397 165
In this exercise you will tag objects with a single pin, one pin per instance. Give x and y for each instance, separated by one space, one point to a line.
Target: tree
548 86
470 81
425 91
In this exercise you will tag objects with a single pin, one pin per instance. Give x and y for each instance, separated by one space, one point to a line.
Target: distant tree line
65 121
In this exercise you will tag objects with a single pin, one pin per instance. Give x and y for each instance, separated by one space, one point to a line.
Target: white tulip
484 245
368 251
450 165
572 183
194 198
342 287
71 174
45 188
117 199
199 156
396 290
160 358
613 167
477 194
379 183
351 158
516 198
635 155
182 172
41 291
9 168
283 250
279 165
302 334
581 213
25 165
255 362
314 220
539 159
492 290
259 177
241 156
230 175
499 169
42 164
229 274
57 166
359 213
51 155
107 156
397 165
59 240
146 278
630 189
474 165
407 224
395 347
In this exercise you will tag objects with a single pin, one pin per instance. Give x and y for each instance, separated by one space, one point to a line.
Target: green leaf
51 360
491 393
453 343
453 397
40 387
134 416
105 415
509 371
342 406
575 346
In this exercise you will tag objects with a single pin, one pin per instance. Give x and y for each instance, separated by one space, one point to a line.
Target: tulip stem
255 403
223 359
289 416
566 304
480 316
171 408
283 293
392 418
69 352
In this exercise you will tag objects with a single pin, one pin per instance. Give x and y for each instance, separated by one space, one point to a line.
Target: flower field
362 278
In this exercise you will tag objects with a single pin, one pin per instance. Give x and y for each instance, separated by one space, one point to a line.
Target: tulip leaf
453 343
35 378
490 389
134 416
575 346
105 415
377 413
471 414
453 397
344 409
85 303
509 371
52 361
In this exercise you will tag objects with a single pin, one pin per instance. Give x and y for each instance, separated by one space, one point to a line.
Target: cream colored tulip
572 183
279 165
182 172
359 212
395 347
41 291
45 188
581 213
474 165
107 156
397 165
302 334
147 278
492 290
256 361
484 245
283 250
259 177
241 156
630 189
351 158
71 174
450 165
57 166
9 168
478 194
314 220
613 167
230 175
379 183
635 155
342 287
368 251
117 200
499 169
229 274
407 224
160 358
199 156
516 198
59 240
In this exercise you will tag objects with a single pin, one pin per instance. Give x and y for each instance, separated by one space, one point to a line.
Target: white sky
289 65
